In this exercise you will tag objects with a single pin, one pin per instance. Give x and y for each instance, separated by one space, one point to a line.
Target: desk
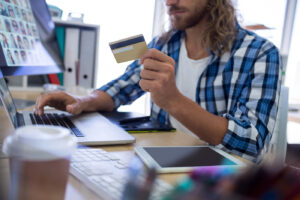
76 190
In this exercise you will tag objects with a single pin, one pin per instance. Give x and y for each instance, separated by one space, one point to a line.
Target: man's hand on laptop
96 101
59 100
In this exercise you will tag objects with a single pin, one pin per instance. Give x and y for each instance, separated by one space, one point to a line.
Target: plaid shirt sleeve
252 119
125 89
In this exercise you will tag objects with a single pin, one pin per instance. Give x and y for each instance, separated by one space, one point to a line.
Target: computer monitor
28 42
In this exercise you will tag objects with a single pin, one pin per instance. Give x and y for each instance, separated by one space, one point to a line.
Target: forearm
209 127
97 101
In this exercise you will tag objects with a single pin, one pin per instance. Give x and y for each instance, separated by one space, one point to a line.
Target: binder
53 78
60 35
87 58
71 56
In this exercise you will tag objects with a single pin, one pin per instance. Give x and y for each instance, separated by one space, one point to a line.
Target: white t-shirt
187 77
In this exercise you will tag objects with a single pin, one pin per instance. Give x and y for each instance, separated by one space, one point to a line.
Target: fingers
146 85
156 55
158 70
155 60
154 65
41 102
149 75
58 100
38 109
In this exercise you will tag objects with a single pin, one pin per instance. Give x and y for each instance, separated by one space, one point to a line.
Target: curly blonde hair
220 31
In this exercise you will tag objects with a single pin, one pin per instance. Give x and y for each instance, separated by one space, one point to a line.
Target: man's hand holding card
158 74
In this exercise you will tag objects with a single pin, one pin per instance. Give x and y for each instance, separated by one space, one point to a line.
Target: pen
132 188
135 119
146 187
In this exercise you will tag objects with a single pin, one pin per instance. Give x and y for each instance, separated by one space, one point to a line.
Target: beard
191 18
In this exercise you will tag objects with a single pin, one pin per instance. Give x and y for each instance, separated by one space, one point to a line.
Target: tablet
173 159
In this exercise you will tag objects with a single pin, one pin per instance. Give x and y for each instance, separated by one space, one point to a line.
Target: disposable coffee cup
39 162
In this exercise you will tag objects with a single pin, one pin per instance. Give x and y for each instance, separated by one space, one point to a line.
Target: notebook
89 128
134 122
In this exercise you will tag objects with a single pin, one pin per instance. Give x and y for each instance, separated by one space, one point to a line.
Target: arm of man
252 121
120 91
96 101
158 78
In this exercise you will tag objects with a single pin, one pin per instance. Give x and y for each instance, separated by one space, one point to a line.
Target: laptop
89 128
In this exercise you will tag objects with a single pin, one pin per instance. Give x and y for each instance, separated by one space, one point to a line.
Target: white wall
268 12
293 66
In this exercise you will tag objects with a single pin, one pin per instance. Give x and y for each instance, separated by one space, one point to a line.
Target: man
4 40
13 41
17 56
26 43
7 25
24 56
20 43
15 26
10 58
11 11
3 10
206 75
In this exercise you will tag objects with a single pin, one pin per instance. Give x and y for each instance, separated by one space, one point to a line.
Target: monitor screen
28 44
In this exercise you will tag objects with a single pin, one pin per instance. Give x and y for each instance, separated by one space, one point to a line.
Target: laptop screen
7 102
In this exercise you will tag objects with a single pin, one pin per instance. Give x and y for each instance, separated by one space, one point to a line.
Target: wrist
175 104
97 101
83 102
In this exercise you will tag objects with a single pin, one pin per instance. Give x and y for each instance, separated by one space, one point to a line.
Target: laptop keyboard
56 120
106 174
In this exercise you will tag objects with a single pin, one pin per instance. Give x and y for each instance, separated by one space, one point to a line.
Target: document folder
87 58
71 56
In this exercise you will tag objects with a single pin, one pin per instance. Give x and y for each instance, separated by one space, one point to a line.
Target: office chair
276 151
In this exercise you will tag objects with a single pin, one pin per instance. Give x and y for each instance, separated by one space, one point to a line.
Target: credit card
128 49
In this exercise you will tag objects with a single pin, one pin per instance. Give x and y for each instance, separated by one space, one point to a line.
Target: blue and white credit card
128 49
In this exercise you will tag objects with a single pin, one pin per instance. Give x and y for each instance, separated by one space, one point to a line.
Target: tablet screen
187 156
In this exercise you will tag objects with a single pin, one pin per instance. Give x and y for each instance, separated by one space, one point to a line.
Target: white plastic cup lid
40 143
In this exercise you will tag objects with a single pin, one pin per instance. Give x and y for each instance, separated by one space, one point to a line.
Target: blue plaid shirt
242 85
